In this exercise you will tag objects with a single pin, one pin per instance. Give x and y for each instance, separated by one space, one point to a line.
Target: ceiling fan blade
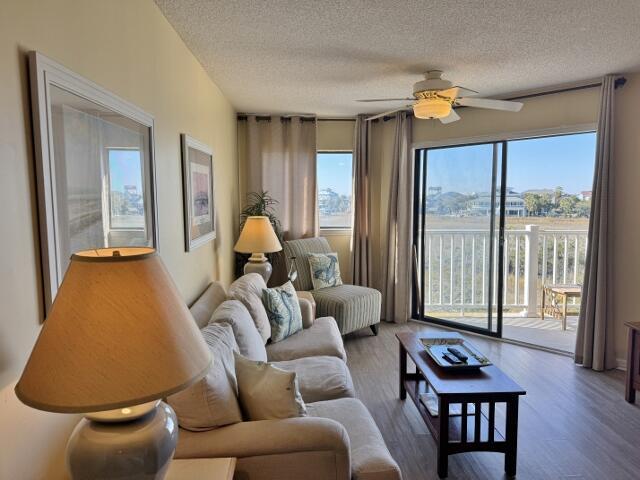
389 112
452 117
385 99
505 105
452 92
464 91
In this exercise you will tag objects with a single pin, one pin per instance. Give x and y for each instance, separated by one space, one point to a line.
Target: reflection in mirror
101 176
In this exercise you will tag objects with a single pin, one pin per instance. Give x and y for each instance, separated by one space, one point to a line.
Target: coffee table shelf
416 387
468 432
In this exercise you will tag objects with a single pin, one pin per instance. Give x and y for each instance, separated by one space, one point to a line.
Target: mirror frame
43 73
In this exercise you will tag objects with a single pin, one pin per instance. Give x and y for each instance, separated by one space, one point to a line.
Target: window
335 189
125 193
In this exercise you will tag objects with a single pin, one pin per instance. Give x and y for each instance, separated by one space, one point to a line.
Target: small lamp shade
257 236
118 335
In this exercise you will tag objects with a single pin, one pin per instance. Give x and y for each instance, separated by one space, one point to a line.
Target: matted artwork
199 194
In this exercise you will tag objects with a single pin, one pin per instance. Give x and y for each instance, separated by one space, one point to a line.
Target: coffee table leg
511 455
443 438
403 371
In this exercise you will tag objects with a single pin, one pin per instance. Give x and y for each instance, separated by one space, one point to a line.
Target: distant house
514 204
586 195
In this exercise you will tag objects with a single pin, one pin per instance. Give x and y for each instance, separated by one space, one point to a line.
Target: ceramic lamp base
132 449
259 265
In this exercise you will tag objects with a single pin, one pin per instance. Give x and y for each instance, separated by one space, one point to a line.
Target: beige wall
626 221
129 48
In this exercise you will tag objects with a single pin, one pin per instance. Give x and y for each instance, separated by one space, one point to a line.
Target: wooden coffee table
467 432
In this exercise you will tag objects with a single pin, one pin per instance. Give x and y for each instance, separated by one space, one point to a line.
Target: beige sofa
337 440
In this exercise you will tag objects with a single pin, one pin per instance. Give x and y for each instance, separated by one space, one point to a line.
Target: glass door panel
456 225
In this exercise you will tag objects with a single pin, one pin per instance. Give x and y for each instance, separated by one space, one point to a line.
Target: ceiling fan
435 97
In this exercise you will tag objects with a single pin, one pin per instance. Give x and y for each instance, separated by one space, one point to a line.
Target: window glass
125 193
335 189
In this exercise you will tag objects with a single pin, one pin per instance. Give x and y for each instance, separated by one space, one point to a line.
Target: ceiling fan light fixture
429 108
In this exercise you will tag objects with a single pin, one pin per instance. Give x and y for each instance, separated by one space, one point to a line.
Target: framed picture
95 169
199 193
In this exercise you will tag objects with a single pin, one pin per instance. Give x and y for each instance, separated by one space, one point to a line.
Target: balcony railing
457 266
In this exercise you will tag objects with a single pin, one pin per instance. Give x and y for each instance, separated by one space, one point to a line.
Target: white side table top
201 468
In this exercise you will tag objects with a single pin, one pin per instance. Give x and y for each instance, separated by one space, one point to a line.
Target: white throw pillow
247 337
283 310
325 270
212 401
248 289
267 392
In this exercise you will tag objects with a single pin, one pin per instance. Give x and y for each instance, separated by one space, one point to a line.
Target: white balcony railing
457 266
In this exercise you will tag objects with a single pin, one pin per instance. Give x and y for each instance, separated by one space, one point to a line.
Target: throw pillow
249 340
325 270
248 289
267 392
283 311
212 401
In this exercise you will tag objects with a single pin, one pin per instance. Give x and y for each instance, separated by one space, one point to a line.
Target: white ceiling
302 56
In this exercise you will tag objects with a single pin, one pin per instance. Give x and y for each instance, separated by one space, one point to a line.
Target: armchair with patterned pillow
353 307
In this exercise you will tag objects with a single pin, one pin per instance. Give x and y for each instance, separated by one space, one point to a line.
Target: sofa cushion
206 304
325 270
283 310
321 338
267 392
248 289
247 337
212 401
320 378
352 306
370 458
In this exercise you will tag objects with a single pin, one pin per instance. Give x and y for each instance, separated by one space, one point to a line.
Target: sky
334 172
124 169
566 161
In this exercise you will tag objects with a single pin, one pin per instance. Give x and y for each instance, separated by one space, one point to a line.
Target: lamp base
259 265
139 449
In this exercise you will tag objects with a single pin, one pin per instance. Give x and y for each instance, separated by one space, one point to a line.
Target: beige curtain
594 340
281 159
362 204
397 262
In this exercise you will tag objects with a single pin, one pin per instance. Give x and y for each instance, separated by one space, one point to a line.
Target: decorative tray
437 348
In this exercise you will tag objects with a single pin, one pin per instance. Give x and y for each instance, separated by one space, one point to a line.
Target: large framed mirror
94 167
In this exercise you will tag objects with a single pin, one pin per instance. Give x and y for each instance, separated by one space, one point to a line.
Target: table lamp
118 339
257 238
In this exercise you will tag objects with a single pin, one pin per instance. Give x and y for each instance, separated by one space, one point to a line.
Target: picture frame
95 169
198 188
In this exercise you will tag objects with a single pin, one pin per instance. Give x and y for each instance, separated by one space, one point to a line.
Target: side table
633 362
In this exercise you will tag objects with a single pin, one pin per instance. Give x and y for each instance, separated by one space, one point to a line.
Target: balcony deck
546 333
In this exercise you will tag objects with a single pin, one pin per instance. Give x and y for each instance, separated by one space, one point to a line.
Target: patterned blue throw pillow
283 310
325 270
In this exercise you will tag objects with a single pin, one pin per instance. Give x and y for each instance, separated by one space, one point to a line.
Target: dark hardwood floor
574 423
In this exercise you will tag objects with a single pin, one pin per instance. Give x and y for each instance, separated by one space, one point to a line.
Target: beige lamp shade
257 236
118 335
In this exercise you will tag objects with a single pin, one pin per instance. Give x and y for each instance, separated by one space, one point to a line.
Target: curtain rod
267 118
619 83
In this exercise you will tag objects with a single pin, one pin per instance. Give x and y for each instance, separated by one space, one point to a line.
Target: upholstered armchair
352 306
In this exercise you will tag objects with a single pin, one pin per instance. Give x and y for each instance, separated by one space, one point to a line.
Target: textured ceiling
300 56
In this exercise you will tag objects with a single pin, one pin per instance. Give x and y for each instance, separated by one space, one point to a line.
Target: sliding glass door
457 239
500 236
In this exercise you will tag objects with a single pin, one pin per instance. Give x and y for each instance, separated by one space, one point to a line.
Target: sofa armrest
270 437
307 307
